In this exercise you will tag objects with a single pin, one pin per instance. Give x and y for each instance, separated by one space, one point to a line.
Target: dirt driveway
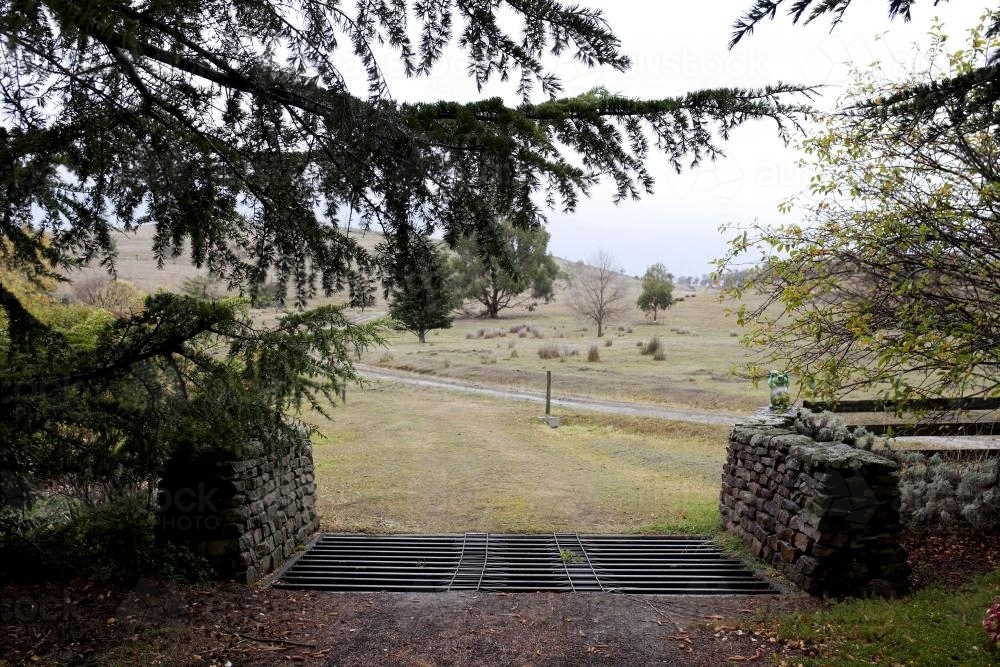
264 626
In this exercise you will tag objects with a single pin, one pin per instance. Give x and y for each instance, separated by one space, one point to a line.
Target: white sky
679 47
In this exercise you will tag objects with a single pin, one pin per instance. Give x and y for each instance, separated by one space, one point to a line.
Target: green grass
932 627
407 459
691 369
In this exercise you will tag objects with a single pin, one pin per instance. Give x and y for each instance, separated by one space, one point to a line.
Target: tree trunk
422 336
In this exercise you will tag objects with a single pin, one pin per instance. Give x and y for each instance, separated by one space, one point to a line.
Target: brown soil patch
180 625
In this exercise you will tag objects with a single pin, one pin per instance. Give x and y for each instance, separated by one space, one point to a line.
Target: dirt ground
155 623
237 625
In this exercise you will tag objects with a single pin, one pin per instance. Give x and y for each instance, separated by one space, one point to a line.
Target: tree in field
230 129
657 290
891 284
599 293
423 295
519 272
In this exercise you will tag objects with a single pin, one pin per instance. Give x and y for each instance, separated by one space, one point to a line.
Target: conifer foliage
230 127
423 294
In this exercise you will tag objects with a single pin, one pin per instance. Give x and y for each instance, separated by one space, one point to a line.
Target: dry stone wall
824 514
246 517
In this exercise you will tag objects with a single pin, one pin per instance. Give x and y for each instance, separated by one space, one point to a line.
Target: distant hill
136 264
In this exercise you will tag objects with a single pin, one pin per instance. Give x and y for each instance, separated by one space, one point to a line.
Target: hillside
700 345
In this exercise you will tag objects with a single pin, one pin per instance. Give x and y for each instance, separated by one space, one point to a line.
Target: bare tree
599 293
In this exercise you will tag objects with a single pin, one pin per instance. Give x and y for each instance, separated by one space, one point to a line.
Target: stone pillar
824 514
247 516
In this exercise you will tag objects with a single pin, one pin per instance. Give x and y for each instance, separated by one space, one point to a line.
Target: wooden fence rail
915 428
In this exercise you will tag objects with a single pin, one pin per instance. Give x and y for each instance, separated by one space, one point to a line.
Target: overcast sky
679 47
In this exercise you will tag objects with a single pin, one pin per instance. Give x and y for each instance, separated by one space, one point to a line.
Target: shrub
487 358
659 355
386 358
608 342
118 297
205 286
114 539
829 427
513 353
939 495
593 354
653 347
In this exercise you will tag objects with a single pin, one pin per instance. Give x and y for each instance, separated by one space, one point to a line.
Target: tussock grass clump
525 330
560 352
488 334
550 351
593 354
659 356
386 358
487 359
608 342
653 347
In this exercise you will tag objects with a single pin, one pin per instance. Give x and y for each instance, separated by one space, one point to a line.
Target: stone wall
824 514
246 517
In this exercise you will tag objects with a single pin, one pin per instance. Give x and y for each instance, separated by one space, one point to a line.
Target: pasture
396 458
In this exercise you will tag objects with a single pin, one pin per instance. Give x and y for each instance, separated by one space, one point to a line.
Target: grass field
701 351
404 459
401 459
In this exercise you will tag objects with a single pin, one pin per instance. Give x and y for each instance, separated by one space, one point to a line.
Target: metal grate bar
486 562
590 564
567 562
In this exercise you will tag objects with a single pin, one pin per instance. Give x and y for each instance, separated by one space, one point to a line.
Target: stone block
802 542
